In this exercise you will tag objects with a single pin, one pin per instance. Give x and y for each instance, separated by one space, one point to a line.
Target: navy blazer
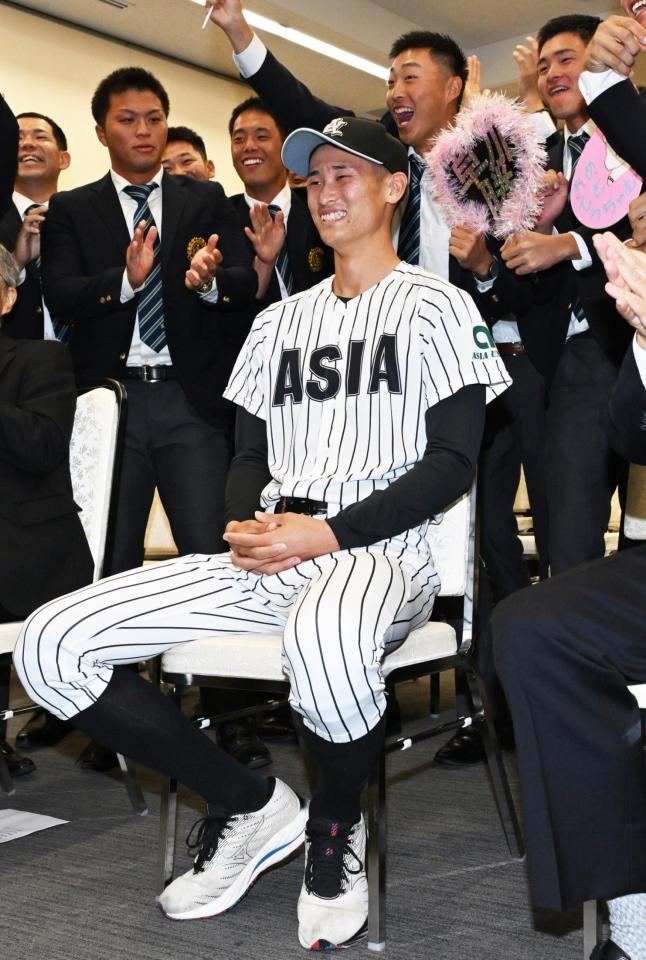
44 551
84 243
26 318
8 154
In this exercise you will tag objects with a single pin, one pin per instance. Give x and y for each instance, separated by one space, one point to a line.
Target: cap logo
335 127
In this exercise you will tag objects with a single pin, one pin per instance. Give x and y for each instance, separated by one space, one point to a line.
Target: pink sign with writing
603 186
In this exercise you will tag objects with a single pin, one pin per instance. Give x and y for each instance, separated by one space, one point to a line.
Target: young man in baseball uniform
361 405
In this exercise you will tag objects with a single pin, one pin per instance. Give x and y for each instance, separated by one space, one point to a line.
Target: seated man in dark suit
566 652
42 156
44 551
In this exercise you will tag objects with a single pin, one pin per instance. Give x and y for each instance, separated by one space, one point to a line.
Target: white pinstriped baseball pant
337 613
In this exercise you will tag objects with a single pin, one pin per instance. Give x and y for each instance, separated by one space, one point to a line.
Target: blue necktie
408 243
61 329
282 260
150 305
575 146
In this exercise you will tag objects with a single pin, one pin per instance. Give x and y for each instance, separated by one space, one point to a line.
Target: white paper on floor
18 823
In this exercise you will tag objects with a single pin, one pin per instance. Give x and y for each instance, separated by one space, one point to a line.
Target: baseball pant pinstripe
337 612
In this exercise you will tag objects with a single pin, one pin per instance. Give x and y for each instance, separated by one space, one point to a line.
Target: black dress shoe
608 951
463 749
241 741
17 764
97 758
278 725
43 730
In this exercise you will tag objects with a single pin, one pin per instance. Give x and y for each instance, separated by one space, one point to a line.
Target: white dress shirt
22 204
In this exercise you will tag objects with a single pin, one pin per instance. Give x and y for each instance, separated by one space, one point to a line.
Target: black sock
343 770
134 718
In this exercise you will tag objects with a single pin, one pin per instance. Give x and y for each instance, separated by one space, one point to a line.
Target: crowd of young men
226 313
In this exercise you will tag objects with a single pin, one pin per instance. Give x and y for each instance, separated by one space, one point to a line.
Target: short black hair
186 135
580 24
255 103
126 78
59 136
440 46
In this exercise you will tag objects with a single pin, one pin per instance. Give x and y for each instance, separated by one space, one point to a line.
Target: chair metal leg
496 767
592 927
5 777
434 708
376 866
167 830
132 786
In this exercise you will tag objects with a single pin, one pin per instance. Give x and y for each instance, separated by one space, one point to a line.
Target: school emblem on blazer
193 245
315 259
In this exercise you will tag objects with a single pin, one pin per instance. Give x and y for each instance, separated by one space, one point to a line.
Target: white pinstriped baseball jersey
344 386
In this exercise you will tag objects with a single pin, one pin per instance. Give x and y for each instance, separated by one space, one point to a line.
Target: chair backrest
452 540
94 459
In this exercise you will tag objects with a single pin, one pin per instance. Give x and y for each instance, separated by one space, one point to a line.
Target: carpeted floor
86 890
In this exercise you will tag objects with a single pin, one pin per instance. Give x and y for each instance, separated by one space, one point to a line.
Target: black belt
161 372
516 349
301 505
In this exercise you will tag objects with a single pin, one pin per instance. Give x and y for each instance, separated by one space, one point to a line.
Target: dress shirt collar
283 199
589 127
22 203
121 182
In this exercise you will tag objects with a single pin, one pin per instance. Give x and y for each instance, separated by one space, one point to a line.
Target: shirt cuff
212 295
543 124
251 60
483 286
585 260
21 277
640 359
592 85
127 292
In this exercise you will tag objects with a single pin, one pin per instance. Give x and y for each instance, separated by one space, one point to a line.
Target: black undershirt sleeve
454 433
248 473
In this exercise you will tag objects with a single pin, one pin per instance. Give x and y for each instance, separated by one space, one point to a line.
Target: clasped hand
277 541
204 264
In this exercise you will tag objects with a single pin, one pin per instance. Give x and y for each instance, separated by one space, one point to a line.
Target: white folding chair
95 450
634 527
254 661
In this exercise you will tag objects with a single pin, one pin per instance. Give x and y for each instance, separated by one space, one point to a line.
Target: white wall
54 69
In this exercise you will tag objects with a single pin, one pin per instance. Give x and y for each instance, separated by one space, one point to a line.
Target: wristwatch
492 273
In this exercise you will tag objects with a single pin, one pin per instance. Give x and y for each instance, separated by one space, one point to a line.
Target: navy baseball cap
363 138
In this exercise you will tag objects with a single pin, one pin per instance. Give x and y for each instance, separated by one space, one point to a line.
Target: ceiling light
312 43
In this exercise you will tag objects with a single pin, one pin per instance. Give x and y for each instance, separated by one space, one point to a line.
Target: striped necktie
150 305
61 329
408 243
575 146
282 260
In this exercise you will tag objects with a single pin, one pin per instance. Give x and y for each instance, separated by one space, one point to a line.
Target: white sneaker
233 853
333 905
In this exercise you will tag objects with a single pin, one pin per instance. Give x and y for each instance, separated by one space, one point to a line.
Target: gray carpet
86 890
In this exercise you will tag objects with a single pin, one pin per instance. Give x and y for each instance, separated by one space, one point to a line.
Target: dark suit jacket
84 242
543 303
620 112
26 318
299 107
628 412
8 154
44 552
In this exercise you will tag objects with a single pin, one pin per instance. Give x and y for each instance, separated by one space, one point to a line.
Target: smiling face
636 9
256 143
349 197
134 131
560 64
180 157
422 96
39 158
